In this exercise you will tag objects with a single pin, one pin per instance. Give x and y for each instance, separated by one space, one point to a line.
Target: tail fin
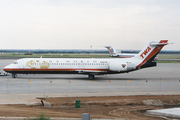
147 55
112 51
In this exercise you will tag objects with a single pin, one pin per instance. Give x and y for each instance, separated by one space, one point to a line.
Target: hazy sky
78 24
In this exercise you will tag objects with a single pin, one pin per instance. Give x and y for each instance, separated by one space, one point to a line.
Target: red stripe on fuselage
125 56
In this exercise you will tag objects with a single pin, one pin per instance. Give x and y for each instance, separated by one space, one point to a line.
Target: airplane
114 53
87 66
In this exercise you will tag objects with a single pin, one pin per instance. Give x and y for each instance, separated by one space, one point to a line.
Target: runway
164 77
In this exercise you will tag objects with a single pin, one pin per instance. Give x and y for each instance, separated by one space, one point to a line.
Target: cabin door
21 64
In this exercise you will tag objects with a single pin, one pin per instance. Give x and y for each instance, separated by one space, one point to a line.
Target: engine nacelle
121 67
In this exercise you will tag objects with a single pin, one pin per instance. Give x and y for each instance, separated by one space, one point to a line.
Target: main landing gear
14 75
91 76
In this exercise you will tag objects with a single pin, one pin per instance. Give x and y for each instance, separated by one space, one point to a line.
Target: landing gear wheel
14 75
91 77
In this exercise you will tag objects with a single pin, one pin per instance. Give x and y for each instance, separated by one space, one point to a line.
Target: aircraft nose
6 68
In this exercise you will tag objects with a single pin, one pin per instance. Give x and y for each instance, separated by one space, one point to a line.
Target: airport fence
24 86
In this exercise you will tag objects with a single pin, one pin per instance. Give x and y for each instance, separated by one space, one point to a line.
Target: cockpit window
15 62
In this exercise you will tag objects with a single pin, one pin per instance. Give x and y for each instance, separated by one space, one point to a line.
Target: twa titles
146 51
88 66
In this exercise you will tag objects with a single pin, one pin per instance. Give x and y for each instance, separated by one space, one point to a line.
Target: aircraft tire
91 77
14 75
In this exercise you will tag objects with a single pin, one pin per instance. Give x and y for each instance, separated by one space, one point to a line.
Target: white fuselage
72 65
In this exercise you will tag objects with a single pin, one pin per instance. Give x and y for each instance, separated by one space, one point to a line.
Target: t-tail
112 51
146 56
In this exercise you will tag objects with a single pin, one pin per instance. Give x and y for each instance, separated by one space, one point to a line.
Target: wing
90 71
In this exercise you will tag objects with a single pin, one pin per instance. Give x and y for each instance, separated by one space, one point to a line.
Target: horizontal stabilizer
161 43
155 44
